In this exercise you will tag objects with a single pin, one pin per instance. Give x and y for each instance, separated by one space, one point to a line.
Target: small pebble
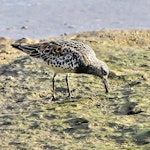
24 27
10 78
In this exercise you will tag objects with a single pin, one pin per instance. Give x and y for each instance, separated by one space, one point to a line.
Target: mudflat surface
91 119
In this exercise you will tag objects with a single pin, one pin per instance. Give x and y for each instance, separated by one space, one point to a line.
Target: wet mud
91 119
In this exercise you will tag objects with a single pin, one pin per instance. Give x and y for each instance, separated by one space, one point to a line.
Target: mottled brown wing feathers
62 54
38 50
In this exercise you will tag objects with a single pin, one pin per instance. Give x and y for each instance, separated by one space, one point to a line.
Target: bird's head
101 70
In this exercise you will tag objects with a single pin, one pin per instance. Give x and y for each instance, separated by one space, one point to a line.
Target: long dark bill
105 85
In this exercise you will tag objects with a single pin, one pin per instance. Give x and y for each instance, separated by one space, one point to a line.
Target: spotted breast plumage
68 56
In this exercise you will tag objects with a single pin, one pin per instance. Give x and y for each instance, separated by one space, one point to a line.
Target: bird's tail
32 51
15 45
24 48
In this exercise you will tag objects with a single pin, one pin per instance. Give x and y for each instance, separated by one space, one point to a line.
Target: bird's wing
77 46
54 53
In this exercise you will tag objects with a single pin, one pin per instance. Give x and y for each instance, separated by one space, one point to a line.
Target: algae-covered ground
91 119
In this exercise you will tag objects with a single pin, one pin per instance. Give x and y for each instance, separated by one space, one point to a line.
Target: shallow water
49 18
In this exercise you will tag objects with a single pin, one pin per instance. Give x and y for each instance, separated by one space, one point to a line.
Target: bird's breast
60 65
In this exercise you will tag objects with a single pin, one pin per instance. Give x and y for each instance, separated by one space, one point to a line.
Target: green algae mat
91 119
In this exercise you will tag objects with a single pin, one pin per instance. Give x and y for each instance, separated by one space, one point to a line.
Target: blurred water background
51 18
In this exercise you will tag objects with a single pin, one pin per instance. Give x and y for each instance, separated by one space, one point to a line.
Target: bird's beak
105 84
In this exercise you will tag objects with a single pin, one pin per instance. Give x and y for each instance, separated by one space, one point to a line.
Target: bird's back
62 56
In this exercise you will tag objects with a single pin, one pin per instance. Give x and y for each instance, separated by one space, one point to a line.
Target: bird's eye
104 72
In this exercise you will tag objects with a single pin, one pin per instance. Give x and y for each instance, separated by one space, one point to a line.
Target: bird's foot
69 96
53 98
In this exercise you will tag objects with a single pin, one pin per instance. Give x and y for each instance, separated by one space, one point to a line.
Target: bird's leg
67 81
53 80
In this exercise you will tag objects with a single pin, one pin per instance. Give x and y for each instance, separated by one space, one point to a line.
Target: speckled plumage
67 56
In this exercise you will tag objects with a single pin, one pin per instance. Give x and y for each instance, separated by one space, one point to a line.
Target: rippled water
49 18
